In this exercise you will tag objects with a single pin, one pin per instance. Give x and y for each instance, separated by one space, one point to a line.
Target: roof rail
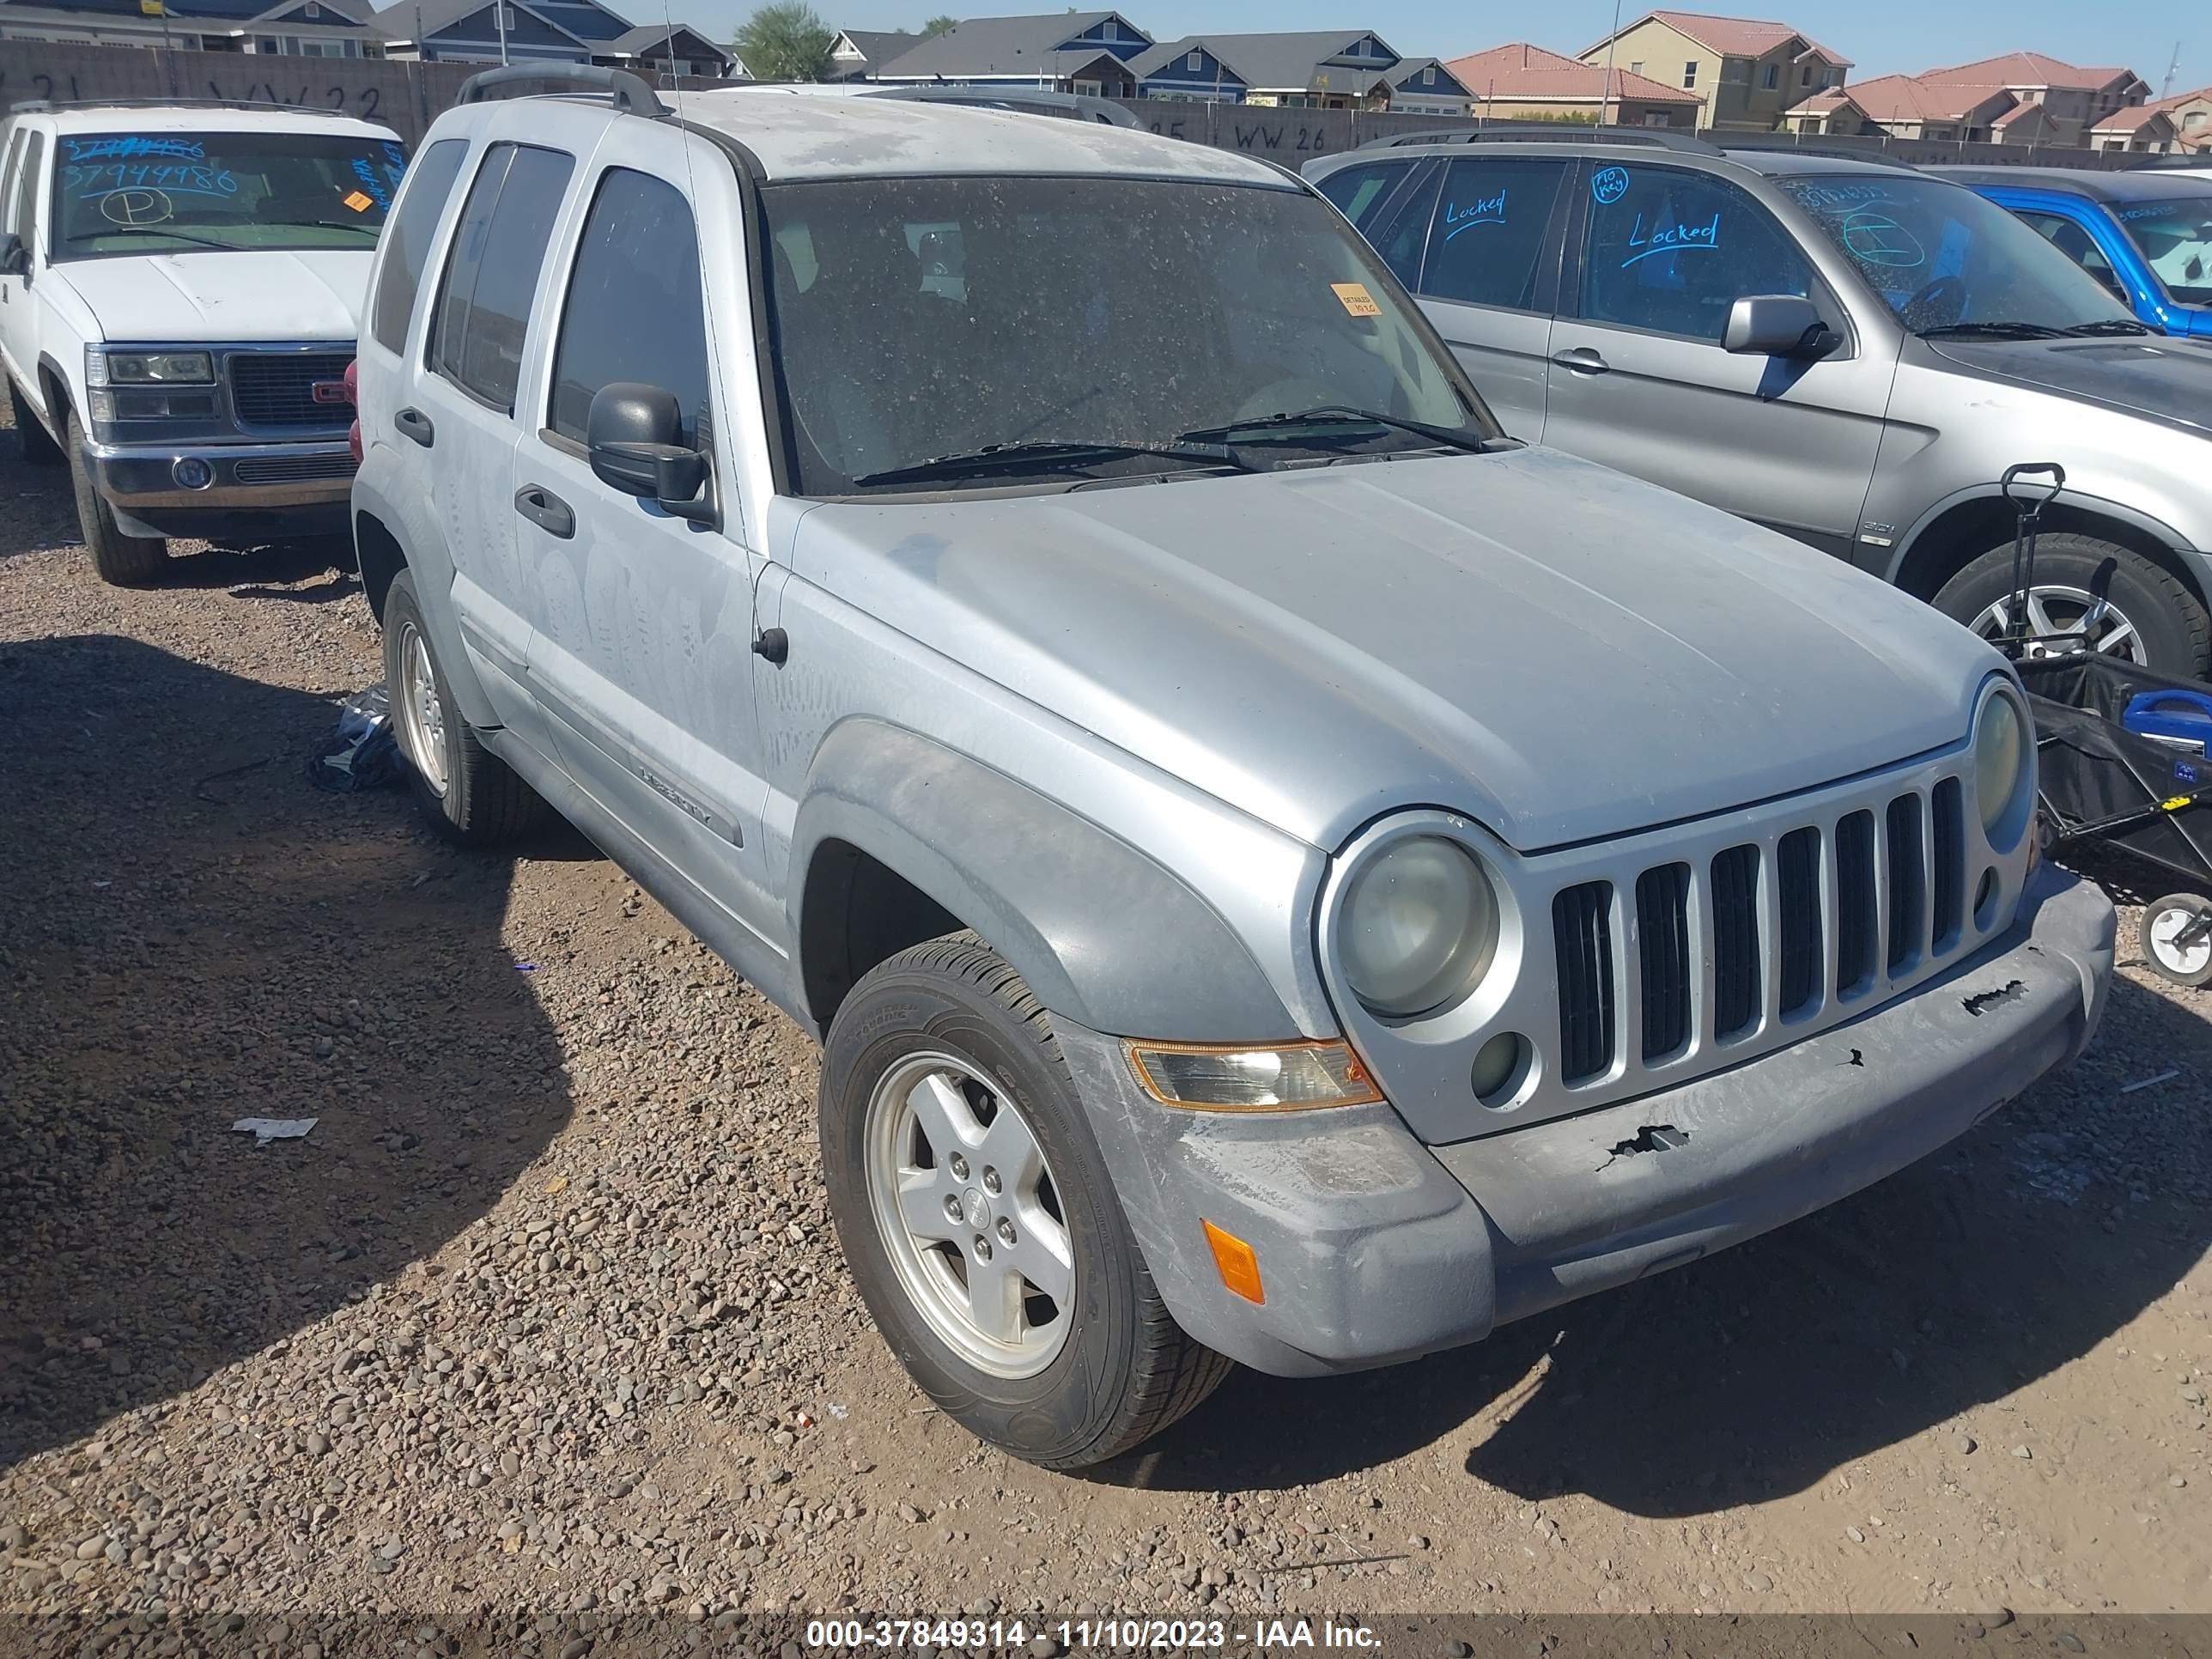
38 105
1872 158
1548 132
628 92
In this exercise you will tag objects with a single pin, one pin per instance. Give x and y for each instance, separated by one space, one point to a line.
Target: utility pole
499 15
1605 94
2173 67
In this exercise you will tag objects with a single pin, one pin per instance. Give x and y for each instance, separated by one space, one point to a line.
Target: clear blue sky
1878 35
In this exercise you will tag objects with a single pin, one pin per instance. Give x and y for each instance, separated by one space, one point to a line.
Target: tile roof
2022 69
1904 98
1732 36
2129 118
1521 71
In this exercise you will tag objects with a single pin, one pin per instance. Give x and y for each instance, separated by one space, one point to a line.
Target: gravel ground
546 1316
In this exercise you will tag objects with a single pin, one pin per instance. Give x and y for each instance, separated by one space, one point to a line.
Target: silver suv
1844 349
1282 872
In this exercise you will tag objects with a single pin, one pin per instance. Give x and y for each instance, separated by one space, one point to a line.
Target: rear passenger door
643 656
462 412
1639 379
1489 277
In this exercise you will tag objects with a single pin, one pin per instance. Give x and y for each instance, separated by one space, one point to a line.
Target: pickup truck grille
1881 888
276 388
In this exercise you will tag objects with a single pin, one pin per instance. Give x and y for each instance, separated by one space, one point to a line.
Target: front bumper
1374 1249
261 491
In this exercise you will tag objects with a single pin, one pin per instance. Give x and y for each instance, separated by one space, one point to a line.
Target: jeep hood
1557 650
251 294
2167 379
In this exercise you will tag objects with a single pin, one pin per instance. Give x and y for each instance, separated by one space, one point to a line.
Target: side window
1394 223
498 251
407 238
2076 243
1671 250
25 221
634 311
1486 246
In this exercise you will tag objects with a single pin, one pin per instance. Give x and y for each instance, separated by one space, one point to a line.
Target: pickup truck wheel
2151 619
121 561
39 448
470 795
980 1223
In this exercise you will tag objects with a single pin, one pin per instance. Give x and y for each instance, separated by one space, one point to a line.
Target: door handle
1582 360
546 510
414 423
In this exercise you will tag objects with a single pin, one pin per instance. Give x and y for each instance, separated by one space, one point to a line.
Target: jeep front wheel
121 561
979 1219
2148 616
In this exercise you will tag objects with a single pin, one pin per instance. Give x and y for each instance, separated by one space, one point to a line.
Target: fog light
1498 1064
191 472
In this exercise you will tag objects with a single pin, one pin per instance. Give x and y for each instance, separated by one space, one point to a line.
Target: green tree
937 26
785 41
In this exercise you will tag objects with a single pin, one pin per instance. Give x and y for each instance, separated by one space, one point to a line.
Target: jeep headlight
2001 747
104 368
1420 926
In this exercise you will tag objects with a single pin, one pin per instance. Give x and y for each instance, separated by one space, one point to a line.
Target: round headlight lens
2000 757
1421 924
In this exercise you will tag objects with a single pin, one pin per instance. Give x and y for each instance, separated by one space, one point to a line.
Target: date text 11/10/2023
1164 1635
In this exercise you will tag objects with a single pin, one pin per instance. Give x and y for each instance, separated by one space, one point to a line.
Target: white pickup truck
180 286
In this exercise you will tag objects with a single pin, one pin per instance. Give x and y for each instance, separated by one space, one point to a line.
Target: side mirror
15 256
1776 326
631 431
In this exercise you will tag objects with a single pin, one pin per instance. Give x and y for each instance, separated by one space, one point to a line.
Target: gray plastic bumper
1374 1249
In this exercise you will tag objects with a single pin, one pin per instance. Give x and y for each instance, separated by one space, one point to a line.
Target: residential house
1904 106
856 54
660 49
2191 115
1420 86
2134 128
290 28
544 32
1351 68
2075 98
1747 72
1085 51
1522 83
1835 114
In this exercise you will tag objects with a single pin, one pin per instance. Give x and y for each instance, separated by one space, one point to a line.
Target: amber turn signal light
1234 1260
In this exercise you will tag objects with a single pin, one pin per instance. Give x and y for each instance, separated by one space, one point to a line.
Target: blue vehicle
2147 235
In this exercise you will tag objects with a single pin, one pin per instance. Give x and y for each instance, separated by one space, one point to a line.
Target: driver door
1638 379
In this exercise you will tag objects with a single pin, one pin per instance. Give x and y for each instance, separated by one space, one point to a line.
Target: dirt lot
545 1313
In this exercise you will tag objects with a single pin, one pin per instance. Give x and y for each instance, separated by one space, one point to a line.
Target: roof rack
40 105
628 92
1548 132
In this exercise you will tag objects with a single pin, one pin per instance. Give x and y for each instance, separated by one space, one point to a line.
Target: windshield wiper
1050 455
318 224
147 230
2110 326
1334 414
1993 331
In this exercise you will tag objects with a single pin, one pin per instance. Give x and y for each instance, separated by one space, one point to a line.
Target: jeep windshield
973 333
175 192
2175 240
1951 263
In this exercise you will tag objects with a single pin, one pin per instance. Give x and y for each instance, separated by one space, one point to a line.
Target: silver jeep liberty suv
1282 873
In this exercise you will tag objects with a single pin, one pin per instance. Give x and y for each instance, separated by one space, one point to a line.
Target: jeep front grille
1732 946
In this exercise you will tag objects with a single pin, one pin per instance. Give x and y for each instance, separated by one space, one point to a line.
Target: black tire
482 803
39 448
2182 910
1126 1370
2176 633
121 561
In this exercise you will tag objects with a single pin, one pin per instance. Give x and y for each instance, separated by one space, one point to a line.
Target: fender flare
2166 534
432 567
1103 933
